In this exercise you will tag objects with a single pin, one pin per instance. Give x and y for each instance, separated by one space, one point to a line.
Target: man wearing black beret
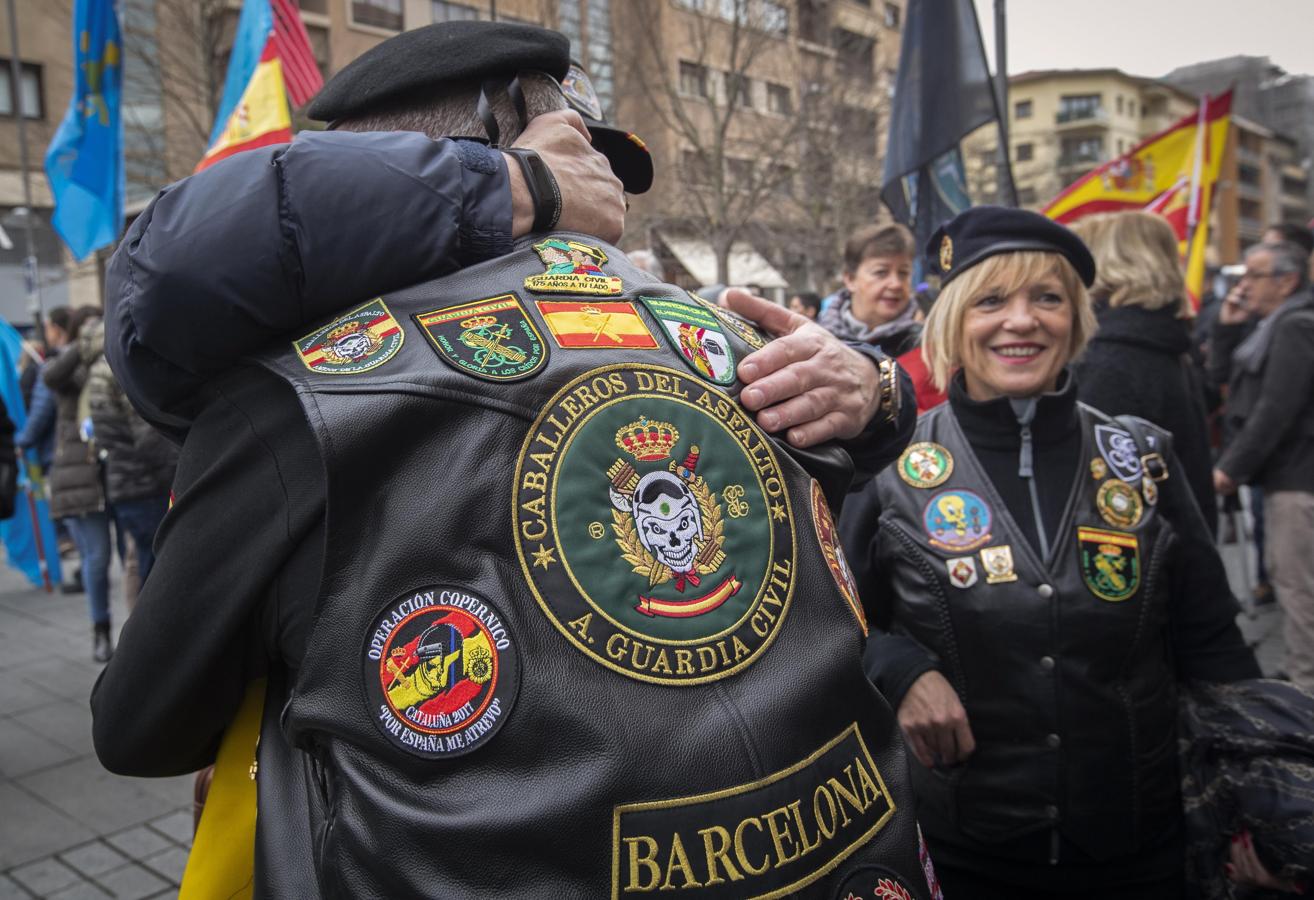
543 607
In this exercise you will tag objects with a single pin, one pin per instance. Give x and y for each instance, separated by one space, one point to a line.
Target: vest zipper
1026 470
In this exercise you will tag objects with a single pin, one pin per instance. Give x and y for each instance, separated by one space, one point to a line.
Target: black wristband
543 190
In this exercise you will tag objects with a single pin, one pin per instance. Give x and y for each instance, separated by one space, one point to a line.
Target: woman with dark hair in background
1139 361
875 305
76 492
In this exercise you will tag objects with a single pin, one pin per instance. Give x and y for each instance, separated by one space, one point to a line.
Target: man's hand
1233 310
935 723
592 197
1246 868
1223 483
806 383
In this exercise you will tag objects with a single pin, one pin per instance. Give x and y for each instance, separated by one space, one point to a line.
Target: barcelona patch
363 339
572 268
653 525
769 838
697 336
492 339
828 538
957 520
441 672
596 325
1110 563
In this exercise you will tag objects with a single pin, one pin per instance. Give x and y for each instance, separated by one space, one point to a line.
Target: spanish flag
271 60
596 325
1172 173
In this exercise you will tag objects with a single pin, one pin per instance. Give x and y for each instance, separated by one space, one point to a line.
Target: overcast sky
1151 37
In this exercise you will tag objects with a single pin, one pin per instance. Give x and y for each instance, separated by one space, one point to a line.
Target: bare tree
775 125
699 79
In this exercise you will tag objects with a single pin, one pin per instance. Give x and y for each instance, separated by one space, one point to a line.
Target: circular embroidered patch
925 464
874 883
1119 504
654 526
957 520
441 672
828 538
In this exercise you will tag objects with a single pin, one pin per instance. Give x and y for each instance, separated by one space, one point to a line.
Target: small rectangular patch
588 325
765 839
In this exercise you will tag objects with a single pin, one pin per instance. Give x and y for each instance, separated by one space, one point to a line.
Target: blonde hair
1003 274
1137 262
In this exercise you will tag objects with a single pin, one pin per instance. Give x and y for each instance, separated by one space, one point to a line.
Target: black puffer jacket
75 486
139 462
1138 364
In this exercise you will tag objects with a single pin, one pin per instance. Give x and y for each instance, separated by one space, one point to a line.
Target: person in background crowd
1270 413
875 305
76 494
38 432
1138 361
805 303
648 261
138 461
1038 590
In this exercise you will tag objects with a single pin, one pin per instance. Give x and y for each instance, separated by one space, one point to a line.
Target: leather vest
582 629
1062 664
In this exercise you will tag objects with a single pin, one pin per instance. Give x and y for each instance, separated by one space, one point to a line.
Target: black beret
445 53
981 232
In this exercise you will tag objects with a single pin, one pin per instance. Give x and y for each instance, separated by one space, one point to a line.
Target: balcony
1083 161
1072 119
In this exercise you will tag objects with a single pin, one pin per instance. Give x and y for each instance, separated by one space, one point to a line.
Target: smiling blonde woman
1029 562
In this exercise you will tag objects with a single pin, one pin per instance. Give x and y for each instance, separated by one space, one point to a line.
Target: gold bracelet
890 397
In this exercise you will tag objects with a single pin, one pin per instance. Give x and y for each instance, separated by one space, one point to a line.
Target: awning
747 266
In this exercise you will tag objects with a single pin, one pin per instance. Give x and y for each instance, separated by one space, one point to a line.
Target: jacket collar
993 423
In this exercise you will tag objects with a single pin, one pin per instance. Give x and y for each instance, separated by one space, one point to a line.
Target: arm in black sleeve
243 509
881 442
1207 645
1288 381
270 241
892 661
1223 342
61 373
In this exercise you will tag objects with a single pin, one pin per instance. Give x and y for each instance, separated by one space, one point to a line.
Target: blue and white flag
30 527
84 162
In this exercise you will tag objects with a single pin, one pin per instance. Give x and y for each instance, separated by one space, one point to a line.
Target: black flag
942 93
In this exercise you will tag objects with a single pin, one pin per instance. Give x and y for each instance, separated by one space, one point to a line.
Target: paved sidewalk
68 828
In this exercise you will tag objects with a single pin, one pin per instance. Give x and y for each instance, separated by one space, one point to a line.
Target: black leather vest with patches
580 632
1062 664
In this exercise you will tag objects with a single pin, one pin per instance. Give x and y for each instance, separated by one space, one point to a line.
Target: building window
891 16
314 6
29 93
696 169
782 180
1026 196
1025 152
739 174
738 90
1073 107
779 100
377 13
386 14
453 12
1022 109
1081 151
693 79
856 53
1119 104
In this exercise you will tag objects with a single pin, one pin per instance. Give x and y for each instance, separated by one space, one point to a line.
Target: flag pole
1004 173
30 270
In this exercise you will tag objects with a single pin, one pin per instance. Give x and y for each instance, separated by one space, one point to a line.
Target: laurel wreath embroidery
710 552
890 890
